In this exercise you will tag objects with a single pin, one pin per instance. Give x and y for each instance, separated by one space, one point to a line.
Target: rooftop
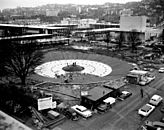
31 26
139 72
98 92
155 97
105 30
27 36
115 84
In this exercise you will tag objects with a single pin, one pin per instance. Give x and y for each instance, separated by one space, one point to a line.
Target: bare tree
134 40
108 38
91 36
161 37
69 35
19 59
120 39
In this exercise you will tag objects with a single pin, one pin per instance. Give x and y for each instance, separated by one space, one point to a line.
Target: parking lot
124 114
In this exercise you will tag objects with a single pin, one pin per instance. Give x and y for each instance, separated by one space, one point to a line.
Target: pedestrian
141 90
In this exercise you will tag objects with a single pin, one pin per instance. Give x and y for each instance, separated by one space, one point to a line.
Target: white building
126 12
70 21
79 10
27 21
50 12
82 23
151 32
85 23
140 24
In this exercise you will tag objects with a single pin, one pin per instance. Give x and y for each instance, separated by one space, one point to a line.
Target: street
123 115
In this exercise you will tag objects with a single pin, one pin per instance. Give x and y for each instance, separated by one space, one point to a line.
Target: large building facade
138 23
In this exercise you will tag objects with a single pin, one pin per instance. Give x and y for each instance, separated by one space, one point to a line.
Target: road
122 116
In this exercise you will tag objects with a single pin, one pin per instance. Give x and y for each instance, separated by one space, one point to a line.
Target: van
107 103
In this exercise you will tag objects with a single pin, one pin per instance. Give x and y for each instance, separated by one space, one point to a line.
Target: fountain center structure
73 68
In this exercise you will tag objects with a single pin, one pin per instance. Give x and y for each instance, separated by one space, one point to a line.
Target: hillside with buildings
108 12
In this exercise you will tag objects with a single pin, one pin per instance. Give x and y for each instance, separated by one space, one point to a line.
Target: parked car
102 107
162 119
155 100
71 114
124 95
153 125
81 110
150 77
146 110
107 103
147 80
161 70
110 101
148 69
162 108
143 82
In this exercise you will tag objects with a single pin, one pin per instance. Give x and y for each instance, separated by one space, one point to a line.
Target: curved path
97 67
53 68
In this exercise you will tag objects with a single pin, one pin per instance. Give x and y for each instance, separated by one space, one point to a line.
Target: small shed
95 97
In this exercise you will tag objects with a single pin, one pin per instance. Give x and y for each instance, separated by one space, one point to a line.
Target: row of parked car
149 107
74 112
103 107
155 125
110 101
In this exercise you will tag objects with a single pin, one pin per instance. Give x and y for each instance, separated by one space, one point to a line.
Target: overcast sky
33 3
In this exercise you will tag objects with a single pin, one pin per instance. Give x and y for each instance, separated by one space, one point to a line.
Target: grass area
119 68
